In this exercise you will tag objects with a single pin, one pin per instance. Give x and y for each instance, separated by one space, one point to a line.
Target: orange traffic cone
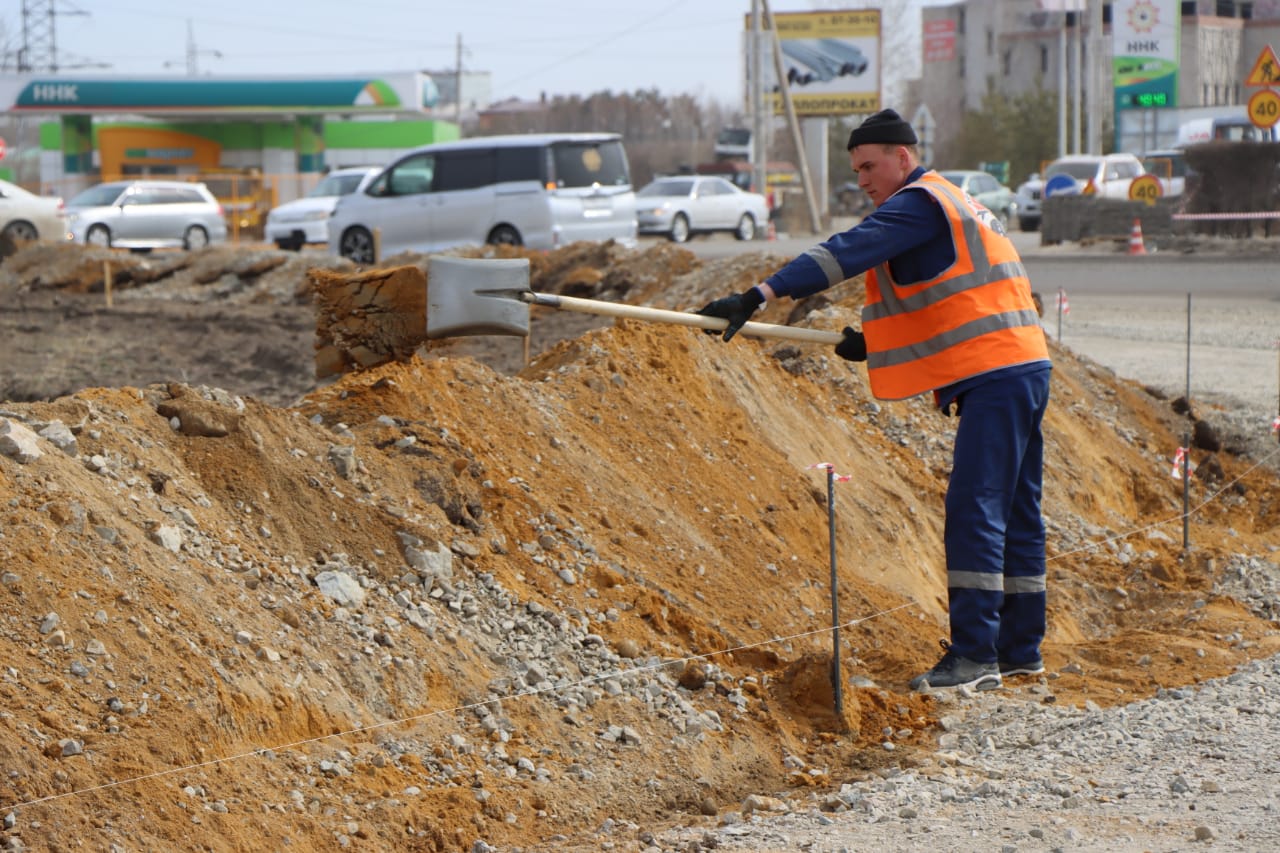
1136 246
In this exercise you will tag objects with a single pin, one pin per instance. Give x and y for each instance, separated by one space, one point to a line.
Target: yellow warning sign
1146 189
1264 108
1266 71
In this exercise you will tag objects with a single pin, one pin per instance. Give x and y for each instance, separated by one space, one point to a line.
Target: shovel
476 296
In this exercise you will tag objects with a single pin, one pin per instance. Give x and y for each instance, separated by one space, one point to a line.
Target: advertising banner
831 61
1146 35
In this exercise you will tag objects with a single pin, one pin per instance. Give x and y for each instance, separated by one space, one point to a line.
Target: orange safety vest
974 317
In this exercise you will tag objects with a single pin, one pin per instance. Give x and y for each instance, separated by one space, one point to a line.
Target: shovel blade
460 297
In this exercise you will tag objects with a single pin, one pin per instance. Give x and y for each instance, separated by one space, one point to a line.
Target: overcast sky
529 46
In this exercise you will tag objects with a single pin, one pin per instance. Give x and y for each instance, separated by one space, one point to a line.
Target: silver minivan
537 190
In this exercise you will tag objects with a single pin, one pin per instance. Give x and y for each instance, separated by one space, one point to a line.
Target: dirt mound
438 601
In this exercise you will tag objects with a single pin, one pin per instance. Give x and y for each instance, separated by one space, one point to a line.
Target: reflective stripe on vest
972 318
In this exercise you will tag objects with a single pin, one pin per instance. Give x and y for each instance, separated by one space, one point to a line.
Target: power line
39 51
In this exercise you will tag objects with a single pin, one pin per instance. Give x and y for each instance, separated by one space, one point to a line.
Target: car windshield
1079 171
337 185
675 187
102 194
956 178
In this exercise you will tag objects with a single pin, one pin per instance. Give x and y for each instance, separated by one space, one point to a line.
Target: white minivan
538 190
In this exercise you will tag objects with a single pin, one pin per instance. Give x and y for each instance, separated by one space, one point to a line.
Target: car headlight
316 215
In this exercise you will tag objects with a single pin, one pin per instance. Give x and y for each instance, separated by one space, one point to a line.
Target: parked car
305 220
988 192
145 215
542 191
698 204
1029 197
26 216
1170 166
1109 174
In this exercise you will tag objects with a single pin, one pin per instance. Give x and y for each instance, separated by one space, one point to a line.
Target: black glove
853 347
737 309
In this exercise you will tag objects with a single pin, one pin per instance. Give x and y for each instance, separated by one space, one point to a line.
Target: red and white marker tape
1275 424
827 466
1063 306
1178 459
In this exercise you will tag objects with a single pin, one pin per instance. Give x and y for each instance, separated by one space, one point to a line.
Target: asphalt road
1135 314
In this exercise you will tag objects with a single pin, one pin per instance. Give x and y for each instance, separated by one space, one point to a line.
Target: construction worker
948 310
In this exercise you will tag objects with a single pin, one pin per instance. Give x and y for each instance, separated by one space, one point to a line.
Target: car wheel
357 244
504 235
195 239
746 229
289 245
680 229
1028 224
21 232
1004 218
98 235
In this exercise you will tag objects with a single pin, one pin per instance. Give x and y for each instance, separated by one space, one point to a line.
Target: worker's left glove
853 347
737 309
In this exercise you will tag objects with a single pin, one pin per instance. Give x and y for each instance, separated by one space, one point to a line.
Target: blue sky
528 46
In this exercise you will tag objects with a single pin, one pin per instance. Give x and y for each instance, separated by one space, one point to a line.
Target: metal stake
1186 457
1061 292
835 599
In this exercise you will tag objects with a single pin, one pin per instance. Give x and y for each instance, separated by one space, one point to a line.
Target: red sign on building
940 40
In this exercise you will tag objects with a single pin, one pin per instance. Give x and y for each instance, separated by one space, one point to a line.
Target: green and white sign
1146 37
411 92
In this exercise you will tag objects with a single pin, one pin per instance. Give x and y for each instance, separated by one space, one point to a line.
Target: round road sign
1061 184
1264 108
1146 189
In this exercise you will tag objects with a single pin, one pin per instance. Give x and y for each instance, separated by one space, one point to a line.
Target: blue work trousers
994 531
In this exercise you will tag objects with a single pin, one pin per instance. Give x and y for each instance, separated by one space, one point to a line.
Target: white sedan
696 204
25 216
297 223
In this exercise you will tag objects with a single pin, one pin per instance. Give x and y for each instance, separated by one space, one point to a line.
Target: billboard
1146 36
831 61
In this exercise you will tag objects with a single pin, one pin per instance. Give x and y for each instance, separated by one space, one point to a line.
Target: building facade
1013 47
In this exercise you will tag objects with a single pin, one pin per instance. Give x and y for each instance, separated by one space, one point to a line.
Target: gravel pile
1185 769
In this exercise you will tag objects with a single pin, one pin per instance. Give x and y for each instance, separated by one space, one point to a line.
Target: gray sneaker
1031 667
956 671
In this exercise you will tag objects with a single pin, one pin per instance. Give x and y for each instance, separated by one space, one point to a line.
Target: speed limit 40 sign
1264 108
1146 189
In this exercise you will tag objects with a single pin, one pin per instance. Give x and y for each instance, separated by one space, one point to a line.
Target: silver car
680 206
26 216
145 215
987 191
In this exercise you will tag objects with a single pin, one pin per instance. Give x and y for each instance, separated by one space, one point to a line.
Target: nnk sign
55 93
1145 35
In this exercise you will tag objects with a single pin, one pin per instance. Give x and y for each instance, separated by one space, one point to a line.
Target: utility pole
39 51
457 84
758 150
1098 73
193 53
1078 131
815 220
1062 86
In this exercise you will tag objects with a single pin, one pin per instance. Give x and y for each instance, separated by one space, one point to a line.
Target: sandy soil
634 510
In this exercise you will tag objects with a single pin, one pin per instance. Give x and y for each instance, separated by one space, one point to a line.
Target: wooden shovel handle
679 318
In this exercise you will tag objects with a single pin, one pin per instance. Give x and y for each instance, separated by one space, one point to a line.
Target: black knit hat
885 127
